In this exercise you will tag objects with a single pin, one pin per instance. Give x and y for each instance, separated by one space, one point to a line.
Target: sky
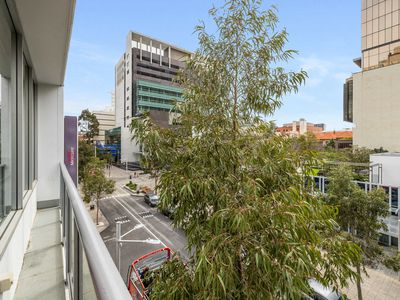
326 33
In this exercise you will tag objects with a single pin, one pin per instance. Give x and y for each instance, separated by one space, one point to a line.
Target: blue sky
325 32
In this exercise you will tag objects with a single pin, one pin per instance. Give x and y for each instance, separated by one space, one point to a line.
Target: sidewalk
121 177
378 286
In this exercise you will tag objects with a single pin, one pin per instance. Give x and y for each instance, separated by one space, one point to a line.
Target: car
321 292
151 199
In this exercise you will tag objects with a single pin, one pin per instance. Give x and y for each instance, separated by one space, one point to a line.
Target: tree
95 185
88 125
86 153
255 230
361 215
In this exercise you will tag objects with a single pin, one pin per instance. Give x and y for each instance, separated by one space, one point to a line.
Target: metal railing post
107 281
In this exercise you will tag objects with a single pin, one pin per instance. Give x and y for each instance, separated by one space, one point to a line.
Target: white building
106 118
42 248
144 81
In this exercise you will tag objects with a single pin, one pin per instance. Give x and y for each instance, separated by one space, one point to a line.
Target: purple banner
71 147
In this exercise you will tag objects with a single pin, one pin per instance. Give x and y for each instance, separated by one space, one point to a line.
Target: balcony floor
41 276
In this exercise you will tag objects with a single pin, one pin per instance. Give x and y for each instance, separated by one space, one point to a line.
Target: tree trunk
97 213
359 282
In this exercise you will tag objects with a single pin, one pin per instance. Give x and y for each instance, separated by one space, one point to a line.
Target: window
7 168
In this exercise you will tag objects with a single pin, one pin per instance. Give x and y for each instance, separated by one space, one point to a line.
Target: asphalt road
146 225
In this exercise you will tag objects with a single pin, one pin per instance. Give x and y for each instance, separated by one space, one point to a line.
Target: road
146 224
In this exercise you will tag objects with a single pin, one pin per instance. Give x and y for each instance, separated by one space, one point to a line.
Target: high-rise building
145 81
371 96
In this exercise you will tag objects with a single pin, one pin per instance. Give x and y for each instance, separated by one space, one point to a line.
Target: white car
321 292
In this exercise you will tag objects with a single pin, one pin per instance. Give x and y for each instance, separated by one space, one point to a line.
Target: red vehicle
140 271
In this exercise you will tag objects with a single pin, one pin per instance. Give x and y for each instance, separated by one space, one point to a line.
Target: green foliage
94 183
255 230
393 262
360 214
89 125
132 186
86 153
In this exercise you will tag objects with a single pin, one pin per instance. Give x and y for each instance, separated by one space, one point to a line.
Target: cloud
92 52
321 70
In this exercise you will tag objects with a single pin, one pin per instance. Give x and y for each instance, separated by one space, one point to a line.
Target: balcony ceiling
47 25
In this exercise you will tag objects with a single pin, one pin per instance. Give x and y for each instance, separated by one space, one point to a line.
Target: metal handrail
106 279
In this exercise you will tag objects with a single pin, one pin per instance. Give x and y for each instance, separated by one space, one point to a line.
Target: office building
300 127
42 247
371 96
106 118
145 81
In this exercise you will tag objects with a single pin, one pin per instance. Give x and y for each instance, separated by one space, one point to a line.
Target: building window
348 101
127 108
7 121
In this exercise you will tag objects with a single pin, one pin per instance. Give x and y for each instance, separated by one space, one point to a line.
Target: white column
140 47
160 56
169 56
151 51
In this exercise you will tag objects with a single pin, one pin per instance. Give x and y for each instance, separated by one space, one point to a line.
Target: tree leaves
255 230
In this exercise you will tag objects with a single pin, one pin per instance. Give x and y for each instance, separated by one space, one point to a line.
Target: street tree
94 183
85 154
361 215
88 125
254 229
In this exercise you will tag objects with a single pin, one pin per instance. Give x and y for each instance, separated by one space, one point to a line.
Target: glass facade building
380 31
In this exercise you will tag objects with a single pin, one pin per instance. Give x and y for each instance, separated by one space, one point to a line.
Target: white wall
390 167
50 142
376 108
119 96
12 259
129 149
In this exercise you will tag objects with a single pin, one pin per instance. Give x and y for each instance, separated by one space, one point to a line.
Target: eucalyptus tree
255 230
94 183
362 216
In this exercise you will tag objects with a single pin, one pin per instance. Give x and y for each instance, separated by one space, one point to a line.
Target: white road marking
137 220
137 226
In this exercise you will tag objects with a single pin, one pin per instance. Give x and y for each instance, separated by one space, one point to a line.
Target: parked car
168 212
321 292
151 199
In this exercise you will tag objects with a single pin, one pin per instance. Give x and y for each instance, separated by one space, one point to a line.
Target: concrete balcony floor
41 276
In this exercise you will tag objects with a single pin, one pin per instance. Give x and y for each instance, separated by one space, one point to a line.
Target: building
42 247
106 118
371 96
341 139
144 81
300 127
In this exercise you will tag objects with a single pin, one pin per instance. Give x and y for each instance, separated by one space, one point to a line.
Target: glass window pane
382 23
25 149
395 32
375 12
382 37
369 14
375 25
369 28
388 20
388 6
5 113
382 9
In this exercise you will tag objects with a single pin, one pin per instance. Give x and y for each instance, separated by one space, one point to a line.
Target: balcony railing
89 269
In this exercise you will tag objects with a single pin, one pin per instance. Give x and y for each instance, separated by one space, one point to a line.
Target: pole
97 213
95 151
117 245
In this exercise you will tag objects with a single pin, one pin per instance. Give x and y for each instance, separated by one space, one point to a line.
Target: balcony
66 257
